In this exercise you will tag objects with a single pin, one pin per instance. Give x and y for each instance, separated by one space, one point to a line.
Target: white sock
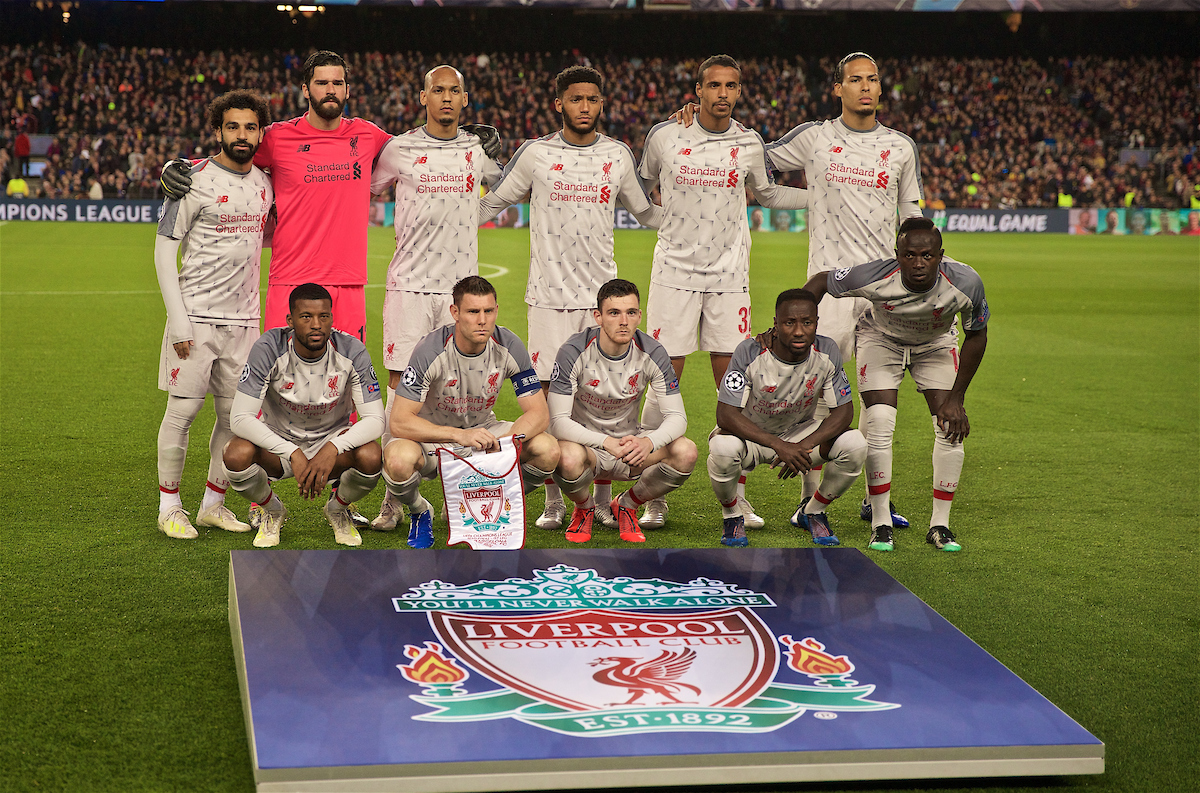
168 499
880 421
602 491
947 468
213 497
553 493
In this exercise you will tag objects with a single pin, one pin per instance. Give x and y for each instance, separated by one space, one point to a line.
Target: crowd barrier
1118 221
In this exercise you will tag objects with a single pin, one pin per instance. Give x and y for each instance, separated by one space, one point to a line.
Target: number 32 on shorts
744 325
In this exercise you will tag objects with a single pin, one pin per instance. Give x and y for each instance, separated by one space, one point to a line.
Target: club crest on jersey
840 274
354 146
263 194
883 158
937 314
633 382
331 387
493 382
606 171
734 380
733 155
409 378
469 156
585 656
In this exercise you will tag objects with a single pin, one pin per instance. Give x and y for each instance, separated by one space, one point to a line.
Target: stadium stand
993 133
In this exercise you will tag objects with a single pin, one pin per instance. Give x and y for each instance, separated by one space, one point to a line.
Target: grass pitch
1078 508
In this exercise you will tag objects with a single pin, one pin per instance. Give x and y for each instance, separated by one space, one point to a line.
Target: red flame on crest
808 657
430 666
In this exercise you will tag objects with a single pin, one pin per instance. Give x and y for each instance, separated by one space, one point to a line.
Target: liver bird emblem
658 676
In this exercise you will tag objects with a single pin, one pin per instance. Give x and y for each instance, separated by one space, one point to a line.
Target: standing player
436 169
575 178
766 413
910 325
291 416
445 398
212 303
599 377
700 280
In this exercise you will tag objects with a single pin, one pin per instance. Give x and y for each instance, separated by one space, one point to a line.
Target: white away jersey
704 241
856 182
220 221
459 390
914 317
777 395
304 401
573 195
437 200
593 396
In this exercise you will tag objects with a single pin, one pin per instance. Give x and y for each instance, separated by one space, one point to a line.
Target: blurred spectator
999 132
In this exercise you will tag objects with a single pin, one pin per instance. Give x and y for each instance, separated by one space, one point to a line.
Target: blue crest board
455 670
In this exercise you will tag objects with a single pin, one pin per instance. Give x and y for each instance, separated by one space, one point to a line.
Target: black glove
489 138
176 183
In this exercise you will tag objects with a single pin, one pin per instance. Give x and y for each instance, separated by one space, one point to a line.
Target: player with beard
575 178
212 303
436 169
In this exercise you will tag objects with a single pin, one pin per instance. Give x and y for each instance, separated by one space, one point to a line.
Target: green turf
1078 508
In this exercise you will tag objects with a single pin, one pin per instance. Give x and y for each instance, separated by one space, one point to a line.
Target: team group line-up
303 401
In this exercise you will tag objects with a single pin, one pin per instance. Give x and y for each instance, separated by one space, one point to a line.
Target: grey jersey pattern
856 182
437 201
304 401
573 193
459 390
777 395
914 317
704 242
220 222
608 391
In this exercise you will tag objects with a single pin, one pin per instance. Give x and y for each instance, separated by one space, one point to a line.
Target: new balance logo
593 383
835 149
685 152
557 167
303 148
451 383
421 160
769 389
222 199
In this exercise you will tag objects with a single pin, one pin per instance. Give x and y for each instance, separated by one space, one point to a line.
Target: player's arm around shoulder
793 151
762 182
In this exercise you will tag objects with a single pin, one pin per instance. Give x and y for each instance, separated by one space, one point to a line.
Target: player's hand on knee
635 450
791 459
479 438
176 179
952 418
318 471
489 138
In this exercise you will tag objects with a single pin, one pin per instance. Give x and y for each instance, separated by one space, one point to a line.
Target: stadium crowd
993 133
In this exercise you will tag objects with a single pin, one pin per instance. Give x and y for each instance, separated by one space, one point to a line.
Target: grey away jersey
856 182
593 397
459 390
704 242
914 317
777 395
573 195
437 200
220 222
305 401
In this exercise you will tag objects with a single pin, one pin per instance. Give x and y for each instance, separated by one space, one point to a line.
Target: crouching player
765 413
910 325
595 391
445 399
307 379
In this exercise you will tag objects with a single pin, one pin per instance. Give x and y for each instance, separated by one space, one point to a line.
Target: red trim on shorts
877 489
943 495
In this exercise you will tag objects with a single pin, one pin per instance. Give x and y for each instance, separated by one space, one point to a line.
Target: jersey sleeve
414 381
666 386
524 378
514 182
975 316
265 156
633 195
256 374
735 385
179 215
762 182
836 383
652 156
562 378
492 172
379 137
387 168
244 419
910 189
368 403
793 151
850 281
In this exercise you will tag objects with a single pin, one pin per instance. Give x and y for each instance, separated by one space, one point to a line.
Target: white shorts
409 317
609 467
549 328
751 454
880 362
213 365
429 466
837 318
310 451
675 316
